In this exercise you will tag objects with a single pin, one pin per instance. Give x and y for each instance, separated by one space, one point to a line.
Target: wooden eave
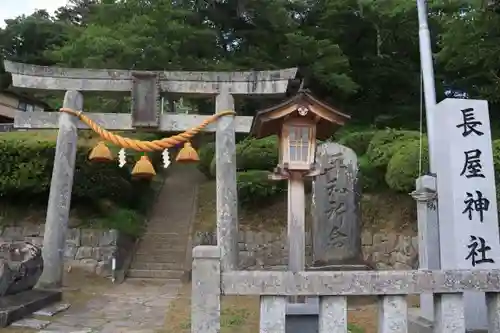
269 121
23 96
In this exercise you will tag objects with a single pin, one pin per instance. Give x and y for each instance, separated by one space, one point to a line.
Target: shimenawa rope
145 146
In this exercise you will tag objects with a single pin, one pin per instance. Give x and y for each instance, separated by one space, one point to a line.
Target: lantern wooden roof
270 121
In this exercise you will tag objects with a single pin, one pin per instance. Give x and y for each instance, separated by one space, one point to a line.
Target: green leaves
470 45
360 55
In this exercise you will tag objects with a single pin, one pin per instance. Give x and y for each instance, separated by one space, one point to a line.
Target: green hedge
255 188
251 154
254 157
257 154
391 160
26 163
403 168
357 141
385 143
372 178
206 154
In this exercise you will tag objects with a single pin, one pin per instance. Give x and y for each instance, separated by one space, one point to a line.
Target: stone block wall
268 250
390 250
258 249
87 249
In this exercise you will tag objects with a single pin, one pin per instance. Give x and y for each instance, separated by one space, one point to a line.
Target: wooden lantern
298 122
298 144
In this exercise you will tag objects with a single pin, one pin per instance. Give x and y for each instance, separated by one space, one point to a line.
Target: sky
12 8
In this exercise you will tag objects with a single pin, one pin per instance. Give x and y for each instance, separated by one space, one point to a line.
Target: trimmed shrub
254 154
385 143
257 154
372 179
403 168
26 163
206 154
254 187
357 141
349 129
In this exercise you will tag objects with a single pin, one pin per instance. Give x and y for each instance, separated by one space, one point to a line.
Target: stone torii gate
146 89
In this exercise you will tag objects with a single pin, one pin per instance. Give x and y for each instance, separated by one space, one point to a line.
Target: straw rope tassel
187 154
143 168
101 153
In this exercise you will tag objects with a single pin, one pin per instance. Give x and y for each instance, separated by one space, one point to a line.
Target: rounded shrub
385 143
349 129
206 154
257 154
254 187
372 179
254 154
403 168
357 141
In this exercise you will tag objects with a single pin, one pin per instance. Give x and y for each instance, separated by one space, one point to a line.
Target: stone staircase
161 252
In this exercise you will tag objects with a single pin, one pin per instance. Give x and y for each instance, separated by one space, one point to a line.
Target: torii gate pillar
227 195
61 184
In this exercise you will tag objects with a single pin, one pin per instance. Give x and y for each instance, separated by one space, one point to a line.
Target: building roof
269 121
25 97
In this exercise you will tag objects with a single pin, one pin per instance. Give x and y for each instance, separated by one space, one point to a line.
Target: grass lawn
240 314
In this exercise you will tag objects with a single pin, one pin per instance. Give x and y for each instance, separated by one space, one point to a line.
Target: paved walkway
129 307
137 305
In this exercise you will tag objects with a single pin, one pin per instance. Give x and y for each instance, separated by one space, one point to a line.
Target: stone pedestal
303 317
17 306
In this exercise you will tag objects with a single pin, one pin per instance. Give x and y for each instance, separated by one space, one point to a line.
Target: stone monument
21 265
336 211
336 226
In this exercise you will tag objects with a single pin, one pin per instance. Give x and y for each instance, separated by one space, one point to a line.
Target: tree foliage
360 55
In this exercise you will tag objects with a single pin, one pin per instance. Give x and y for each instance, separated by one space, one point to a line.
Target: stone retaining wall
265 250
87 249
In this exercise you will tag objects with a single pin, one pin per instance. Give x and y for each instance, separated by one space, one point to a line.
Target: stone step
156 266
175 252
159 248
167 230
162 274
171 218
179 240
159 258
52 310
165 233
154 281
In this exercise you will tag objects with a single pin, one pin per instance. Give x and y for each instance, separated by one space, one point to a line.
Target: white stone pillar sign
468 222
